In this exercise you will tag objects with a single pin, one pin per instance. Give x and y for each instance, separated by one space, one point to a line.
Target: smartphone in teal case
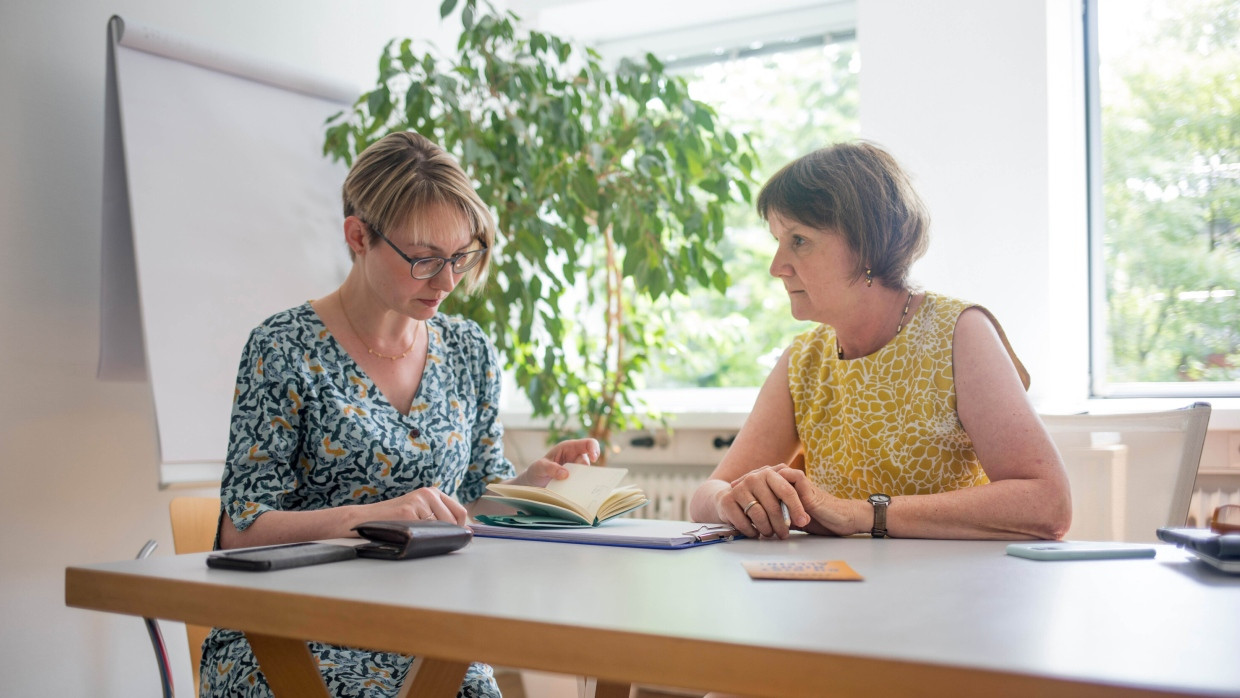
1078 550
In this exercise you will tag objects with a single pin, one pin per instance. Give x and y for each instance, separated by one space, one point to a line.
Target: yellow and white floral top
886 422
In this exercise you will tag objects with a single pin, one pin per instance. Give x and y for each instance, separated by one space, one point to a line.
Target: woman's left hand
551 467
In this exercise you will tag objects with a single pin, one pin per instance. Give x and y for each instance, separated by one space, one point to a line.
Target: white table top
1165 624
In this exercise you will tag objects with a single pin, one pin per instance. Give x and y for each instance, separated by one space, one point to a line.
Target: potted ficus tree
609 187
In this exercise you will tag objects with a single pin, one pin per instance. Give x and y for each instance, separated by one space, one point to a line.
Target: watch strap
879 505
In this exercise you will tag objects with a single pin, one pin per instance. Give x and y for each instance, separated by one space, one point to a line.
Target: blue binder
628 533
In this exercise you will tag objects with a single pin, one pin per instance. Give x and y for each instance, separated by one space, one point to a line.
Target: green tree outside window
1170 97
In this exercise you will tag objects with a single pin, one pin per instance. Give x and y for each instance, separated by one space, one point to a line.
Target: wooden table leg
290 668
607 689
590 687
428 678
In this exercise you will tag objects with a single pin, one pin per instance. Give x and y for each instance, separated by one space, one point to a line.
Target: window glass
1166 196
790 102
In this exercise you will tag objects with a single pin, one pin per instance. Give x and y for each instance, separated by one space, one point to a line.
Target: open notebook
587 497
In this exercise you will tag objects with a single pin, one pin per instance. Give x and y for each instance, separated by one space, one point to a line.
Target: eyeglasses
1226 519
427 267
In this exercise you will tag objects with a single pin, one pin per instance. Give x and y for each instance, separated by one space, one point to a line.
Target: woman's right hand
276 527
424 503
752 503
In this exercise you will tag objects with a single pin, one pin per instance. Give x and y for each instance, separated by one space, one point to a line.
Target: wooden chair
194 520
1130 473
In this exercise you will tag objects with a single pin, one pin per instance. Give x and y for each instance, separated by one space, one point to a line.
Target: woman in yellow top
909 407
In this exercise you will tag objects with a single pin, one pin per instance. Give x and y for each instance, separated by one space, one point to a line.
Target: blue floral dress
310 430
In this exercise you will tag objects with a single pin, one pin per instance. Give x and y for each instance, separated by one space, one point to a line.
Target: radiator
669 492
1205 501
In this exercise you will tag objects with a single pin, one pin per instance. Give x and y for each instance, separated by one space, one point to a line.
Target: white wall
981 100
78 468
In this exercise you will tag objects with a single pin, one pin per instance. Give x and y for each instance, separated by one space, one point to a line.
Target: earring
869 277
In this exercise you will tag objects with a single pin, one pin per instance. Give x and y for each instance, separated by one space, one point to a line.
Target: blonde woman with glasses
368 404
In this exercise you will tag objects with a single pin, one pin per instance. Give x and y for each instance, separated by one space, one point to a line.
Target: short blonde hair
861 192
404 174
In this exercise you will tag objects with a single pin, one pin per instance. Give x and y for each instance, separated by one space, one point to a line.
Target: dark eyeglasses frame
469 259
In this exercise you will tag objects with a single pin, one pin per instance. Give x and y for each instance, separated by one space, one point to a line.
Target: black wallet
403 540
279 557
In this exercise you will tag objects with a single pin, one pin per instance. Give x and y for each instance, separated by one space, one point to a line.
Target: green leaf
702 117
744 190
377 101
413 104
446 8
585 187
406 54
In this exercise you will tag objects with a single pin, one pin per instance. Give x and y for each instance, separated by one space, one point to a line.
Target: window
1164 104
786 71
791 98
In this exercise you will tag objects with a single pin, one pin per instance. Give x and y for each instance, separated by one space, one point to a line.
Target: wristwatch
879 502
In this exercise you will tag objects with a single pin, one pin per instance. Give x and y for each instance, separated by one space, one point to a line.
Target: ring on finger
747 507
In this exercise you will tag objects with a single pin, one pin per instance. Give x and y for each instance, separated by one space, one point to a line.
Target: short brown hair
859 191
403 174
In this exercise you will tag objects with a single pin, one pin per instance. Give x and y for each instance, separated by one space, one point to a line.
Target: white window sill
702 415
689 408
727 408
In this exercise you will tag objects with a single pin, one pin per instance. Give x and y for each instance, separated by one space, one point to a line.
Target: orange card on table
833 570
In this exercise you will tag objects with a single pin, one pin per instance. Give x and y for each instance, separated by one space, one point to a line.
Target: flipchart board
219 210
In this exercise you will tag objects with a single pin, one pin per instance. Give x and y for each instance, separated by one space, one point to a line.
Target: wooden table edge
609 655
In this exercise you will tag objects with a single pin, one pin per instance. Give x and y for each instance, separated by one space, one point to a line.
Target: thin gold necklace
839 351
363 341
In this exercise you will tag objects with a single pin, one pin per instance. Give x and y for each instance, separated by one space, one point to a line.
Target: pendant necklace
395 357
839 351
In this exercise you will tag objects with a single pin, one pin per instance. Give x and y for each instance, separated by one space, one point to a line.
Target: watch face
879 498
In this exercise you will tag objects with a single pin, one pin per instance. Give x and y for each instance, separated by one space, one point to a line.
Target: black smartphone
279 557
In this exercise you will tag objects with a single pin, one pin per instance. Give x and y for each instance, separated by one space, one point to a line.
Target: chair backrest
1130 473
194 520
